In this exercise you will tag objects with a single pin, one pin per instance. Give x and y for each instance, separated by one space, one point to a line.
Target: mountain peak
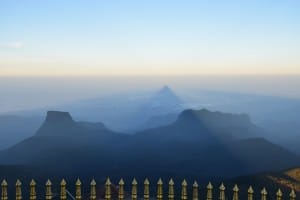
58 116
58 122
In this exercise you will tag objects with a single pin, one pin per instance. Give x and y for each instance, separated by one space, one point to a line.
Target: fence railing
134 191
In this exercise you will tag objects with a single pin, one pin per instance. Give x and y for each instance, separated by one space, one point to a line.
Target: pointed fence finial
171 194
93 194
121 190
146 189
32 195
222 192
159 195
209 195
18 190
4 190
279 194
48 190
78 190
63 192
134 189
107 189
235 192
184 190
195 191
250 193
264 194
292 195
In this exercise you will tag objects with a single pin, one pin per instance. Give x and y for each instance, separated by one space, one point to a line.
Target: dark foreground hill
199 144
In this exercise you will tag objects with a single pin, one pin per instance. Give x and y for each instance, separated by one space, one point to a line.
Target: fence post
32 190
250 193
63 192
93 194
264 194
279 195
159 190
171 195
18 190
293 195
184 190
222 192
78 190
146 189
48 190
121 190
107 189
209 188
195 191
4 190
235 192
134 190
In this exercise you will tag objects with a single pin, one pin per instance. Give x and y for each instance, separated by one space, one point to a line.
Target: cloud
12 45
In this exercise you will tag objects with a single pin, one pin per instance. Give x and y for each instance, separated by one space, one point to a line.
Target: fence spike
195 191
4 190
159 189
93 194
264 194
184 190
209 195
134 189
121 189
32 195
279 194
292 195
78 190
171 194
108 189
250 193
48 190
18 190
222 192
63 192
235 192
146 189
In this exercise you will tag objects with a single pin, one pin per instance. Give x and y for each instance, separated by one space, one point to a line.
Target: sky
157 37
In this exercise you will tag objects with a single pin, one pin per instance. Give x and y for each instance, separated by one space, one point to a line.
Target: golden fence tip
160 182
93 182
146 182
279 193
235 188
108 181
32 183
63 182
195 184
121 182
18 183
250 190
4 183
222 186
209 186
171 182
78 182
293 194
48 183
184 183
264 191
134 182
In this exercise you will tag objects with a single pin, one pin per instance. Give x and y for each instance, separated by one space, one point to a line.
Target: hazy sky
159 37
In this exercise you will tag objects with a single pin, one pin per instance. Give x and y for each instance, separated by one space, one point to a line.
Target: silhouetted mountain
192 146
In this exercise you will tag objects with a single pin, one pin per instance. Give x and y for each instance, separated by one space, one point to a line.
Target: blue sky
64 37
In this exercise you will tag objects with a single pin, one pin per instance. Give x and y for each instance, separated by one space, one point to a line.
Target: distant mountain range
200 143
